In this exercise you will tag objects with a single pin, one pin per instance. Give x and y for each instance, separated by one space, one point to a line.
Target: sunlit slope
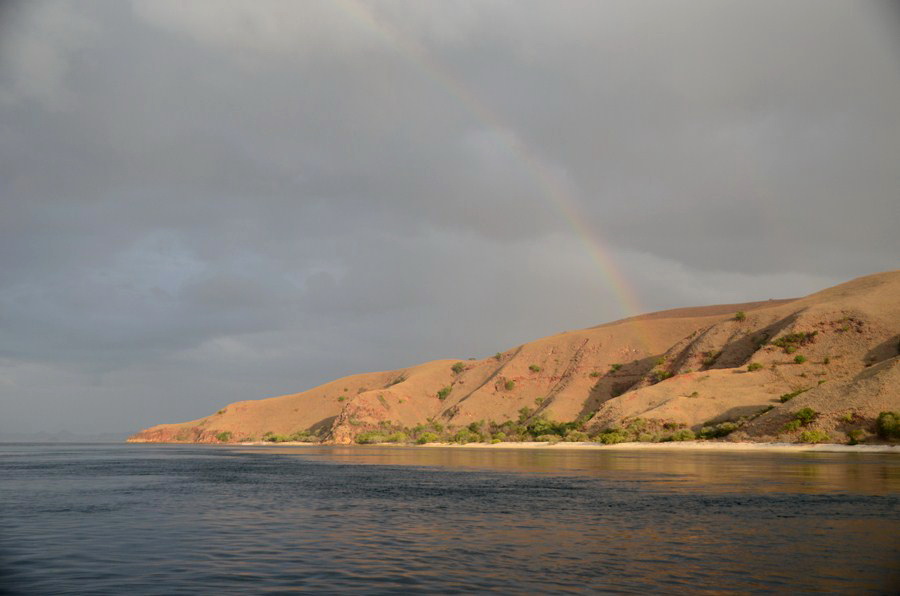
681 367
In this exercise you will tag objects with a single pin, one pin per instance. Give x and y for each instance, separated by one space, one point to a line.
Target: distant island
819 369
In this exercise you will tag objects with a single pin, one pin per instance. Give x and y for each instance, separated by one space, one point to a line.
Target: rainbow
548 181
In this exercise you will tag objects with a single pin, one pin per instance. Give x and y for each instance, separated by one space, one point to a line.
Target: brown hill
835 351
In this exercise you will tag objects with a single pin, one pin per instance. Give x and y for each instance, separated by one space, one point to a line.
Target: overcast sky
202 202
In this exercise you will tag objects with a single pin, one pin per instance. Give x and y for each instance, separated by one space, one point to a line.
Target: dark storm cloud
210 201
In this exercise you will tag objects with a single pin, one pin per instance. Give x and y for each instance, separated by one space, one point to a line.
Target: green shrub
576 436
509 385
719 430
534 368
369 437
443 392
740 316
342 398
754 366
465 436
710 357
658 376
763 411
271 437
611 437
224 436
791 426
498 356
539 401
304 436
789 396
855 436
524 414
813 436
426 437
684 434
542 426
888 425
636 425
792 341
594 374
397 437
799 359
826 360
547 438
659 361
614 367
805 416
458 367
498 437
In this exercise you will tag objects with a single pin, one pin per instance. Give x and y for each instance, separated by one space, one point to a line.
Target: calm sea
138 519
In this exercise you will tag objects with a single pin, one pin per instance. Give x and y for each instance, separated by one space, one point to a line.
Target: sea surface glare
144 519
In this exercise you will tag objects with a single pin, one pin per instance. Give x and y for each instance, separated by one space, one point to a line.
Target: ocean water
143 519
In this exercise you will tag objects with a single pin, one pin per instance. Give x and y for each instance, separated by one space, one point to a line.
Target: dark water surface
138 519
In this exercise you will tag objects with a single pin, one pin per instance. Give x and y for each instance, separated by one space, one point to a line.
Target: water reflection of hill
717 472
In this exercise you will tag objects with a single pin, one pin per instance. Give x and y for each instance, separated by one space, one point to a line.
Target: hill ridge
677 370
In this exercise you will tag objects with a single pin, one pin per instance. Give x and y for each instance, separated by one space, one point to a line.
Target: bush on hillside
710 357
304 436
792 341
888 425
789 396
465 436
805 416
542 426
611 437
813 436
576 436
427 437
791 426
684 434
370 437
718 430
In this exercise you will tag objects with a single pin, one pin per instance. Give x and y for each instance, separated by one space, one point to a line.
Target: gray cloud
210 201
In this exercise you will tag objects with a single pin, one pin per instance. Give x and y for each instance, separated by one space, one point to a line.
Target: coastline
591 446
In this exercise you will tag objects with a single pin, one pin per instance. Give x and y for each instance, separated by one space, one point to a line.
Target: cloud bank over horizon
219 200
